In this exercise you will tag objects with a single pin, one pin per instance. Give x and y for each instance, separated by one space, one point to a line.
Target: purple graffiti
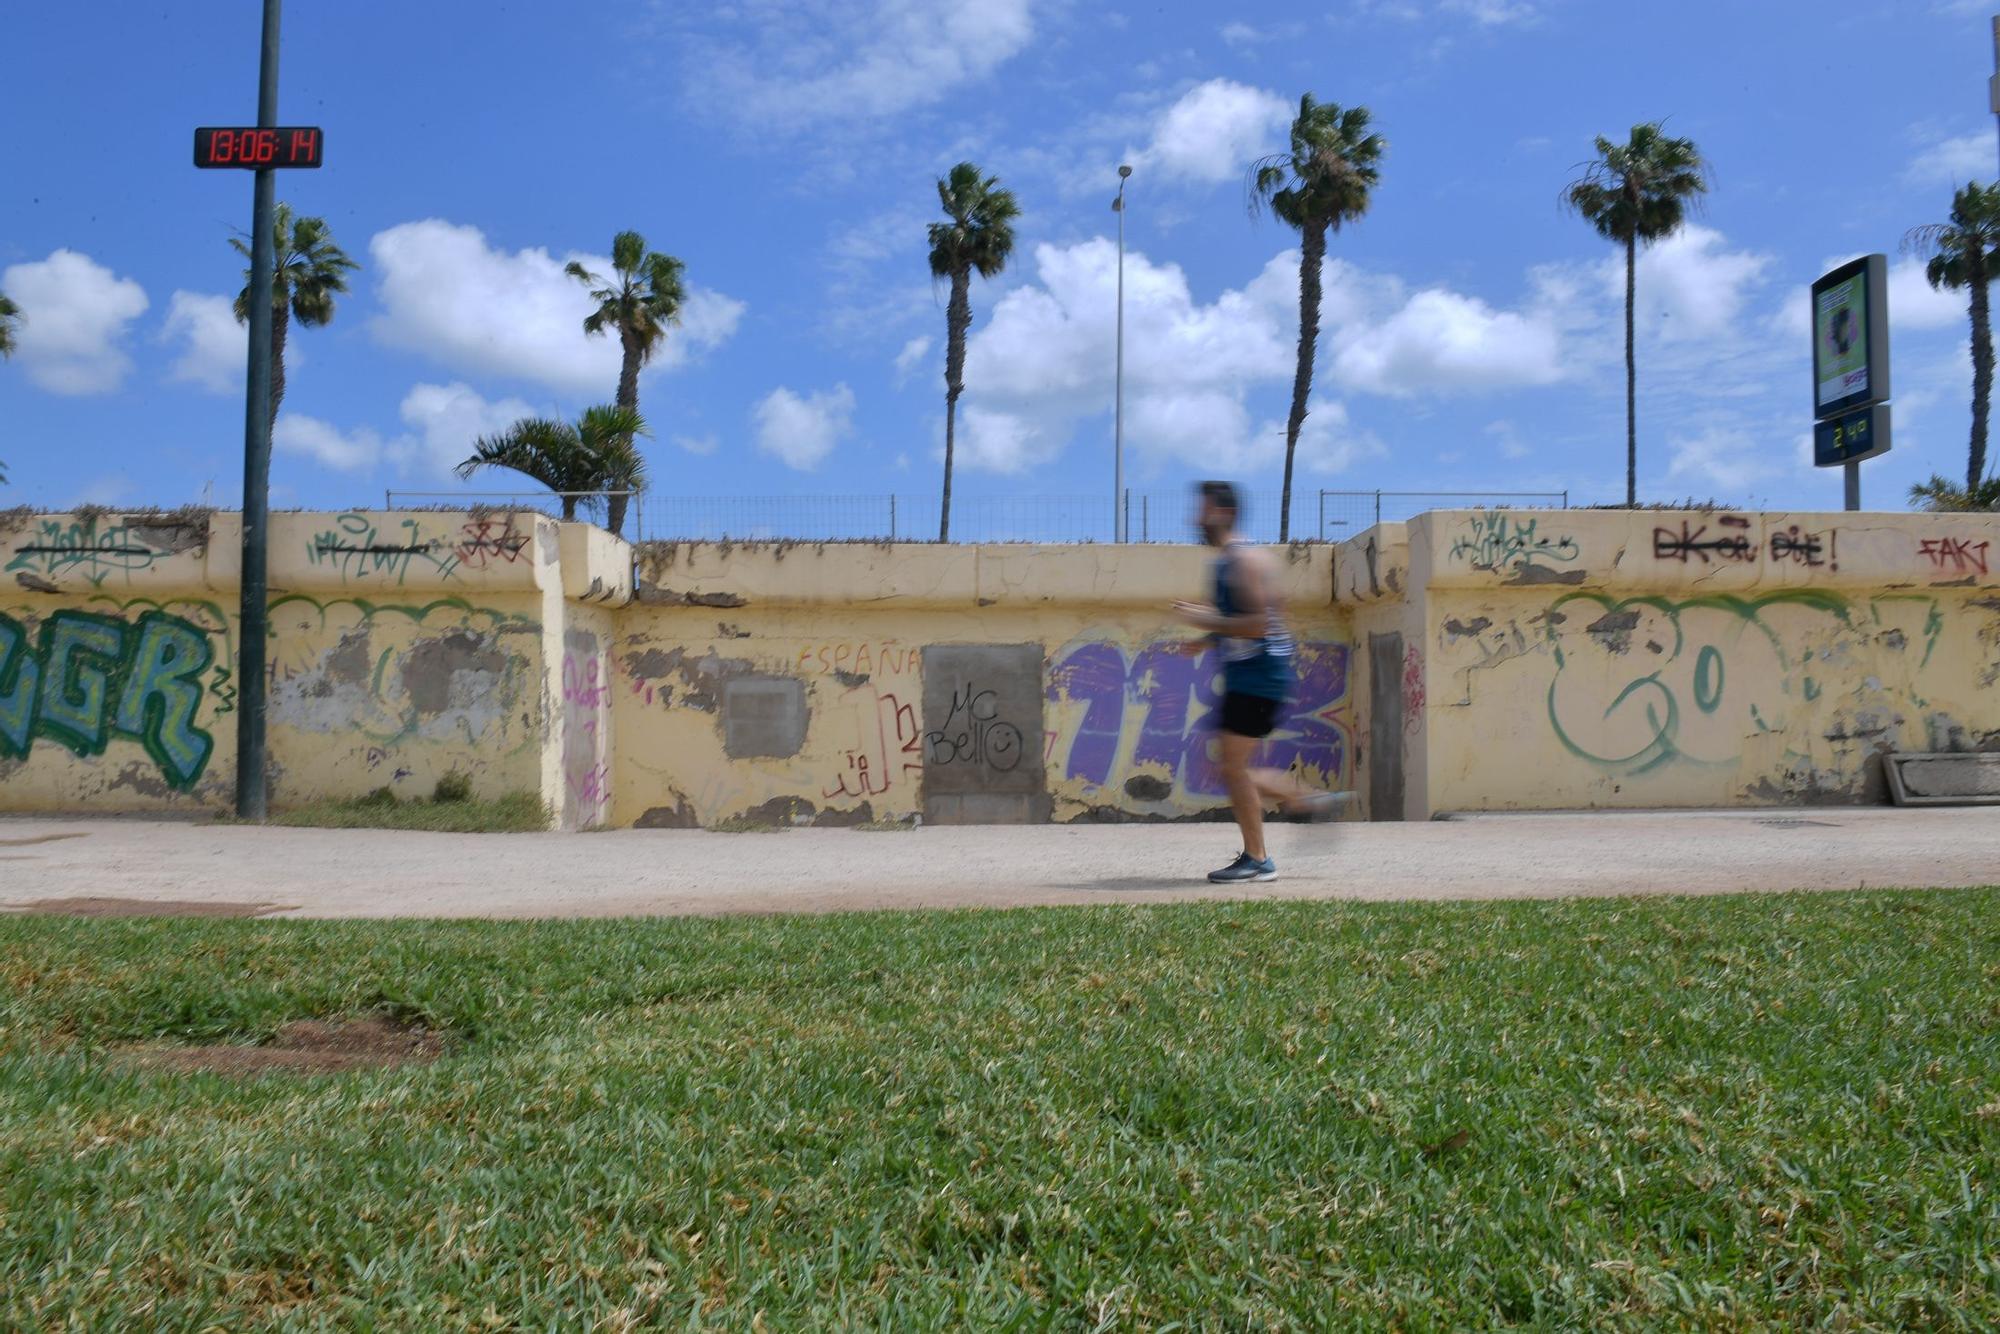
1179 694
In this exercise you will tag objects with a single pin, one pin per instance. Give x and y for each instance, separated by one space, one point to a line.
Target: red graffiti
893 746
1413 691
1955 555
483 541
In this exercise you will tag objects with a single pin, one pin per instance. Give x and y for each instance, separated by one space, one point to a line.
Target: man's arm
1249 576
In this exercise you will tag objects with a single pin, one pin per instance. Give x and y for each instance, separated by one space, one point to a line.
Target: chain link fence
1150 516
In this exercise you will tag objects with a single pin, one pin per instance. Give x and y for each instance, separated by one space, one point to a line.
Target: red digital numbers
256 148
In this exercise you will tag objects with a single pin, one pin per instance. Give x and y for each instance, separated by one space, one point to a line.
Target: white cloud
911 357
450 296
1729 461
1486 13
74 318
1213 132
1955 161
801 431
213 348
1441 340
699 444
1690 285
1043 365
1240 34
789 66
325 443
443 422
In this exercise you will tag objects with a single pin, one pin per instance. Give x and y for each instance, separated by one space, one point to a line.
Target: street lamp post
1119 525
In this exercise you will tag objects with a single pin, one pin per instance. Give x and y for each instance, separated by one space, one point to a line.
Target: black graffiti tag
974 733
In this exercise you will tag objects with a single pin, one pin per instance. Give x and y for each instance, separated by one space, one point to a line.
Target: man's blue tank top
1261 666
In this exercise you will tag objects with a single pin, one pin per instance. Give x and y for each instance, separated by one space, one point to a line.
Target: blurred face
1215 522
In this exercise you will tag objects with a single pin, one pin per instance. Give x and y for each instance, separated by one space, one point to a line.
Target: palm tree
308 270
641 305
1965 253
1941 495
1637 192
1323 182
978 239
572 459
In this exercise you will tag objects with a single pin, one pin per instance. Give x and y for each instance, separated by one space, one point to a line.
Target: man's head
1217 512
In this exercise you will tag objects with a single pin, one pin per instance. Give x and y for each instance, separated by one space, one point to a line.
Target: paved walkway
339 873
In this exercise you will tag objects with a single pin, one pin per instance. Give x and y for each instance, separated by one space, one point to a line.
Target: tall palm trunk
280 322
1312 250
957 319
1631 377
568 508
1982 367
628 397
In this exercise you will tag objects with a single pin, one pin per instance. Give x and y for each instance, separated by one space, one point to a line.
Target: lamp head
1123 172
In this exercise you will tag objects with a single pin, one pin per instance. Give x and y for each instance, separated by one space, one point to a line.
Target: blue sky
786 152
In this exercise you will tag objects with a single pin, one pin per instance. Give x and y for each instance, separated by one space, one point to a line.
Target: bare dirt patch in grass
91 906
304 1046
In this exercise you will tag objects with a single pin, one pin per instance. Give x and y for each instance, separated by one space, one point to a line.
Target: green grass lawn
516 813
1715 1112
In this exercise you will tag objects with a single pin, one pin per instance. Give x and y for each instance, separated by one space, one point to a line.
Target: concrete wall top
98 550
596 567
1374 566
722 574
449 552
1719 551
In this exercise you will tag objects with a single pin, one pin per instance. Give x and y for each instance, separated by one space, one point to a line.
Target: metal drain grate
1798 824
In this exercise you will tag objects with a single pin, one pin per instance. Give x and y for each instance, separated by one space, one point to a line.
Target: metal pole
1145 519
892 516
251 797
1853 471
1118 520
1322 515
1378 509
1993 84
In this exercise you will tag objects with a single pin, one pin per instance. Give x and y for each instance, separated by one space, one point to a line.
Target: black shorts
1248 715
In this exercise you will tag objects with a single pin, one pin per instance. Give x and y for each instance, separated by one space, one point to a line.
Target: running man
1246 623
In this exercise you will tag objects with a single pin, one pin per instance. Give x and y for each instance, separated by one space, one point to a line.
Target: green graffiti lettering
93 677
1708 678
20 682
80 653
162 695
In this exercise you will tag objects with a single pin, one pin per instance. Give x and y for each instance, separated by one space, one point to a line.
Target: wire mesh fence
1149 516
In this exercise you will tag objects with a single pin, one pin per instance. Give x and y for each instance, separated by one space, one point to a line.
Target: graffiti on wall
80 544
888 750
586 698
390 673
1952 555
973 733
359 549
1172 697
90 677
1724 539
1413 690
1644 682
1502 539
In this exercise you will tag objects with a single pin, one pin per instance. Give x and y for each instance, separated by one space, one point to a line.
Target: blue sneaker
1244 870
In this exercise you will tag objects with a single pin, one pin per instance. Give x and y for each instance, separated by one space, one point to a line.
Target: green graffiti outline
146 706
20 689
62 718
1662 747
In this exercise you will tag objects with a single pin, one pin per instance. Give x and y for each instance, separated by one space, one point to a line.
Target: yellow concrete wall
1122 715
1462 661
1663 659
403 646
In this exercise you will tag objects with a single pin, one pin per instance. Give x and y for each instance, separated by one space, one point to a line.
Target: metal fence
1152 517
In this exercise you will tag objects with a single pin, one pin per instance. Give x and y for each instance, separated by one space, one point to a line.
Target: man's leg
1244 797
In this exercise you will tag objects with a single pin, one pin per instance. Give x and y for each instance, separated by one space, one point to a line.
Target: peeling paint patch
678 816
852 680
1614 629
1527 576
1458 629
1147 787
653 595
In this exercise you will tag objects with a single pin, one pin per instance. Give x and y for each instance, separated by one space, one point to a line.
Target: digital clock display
254 149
